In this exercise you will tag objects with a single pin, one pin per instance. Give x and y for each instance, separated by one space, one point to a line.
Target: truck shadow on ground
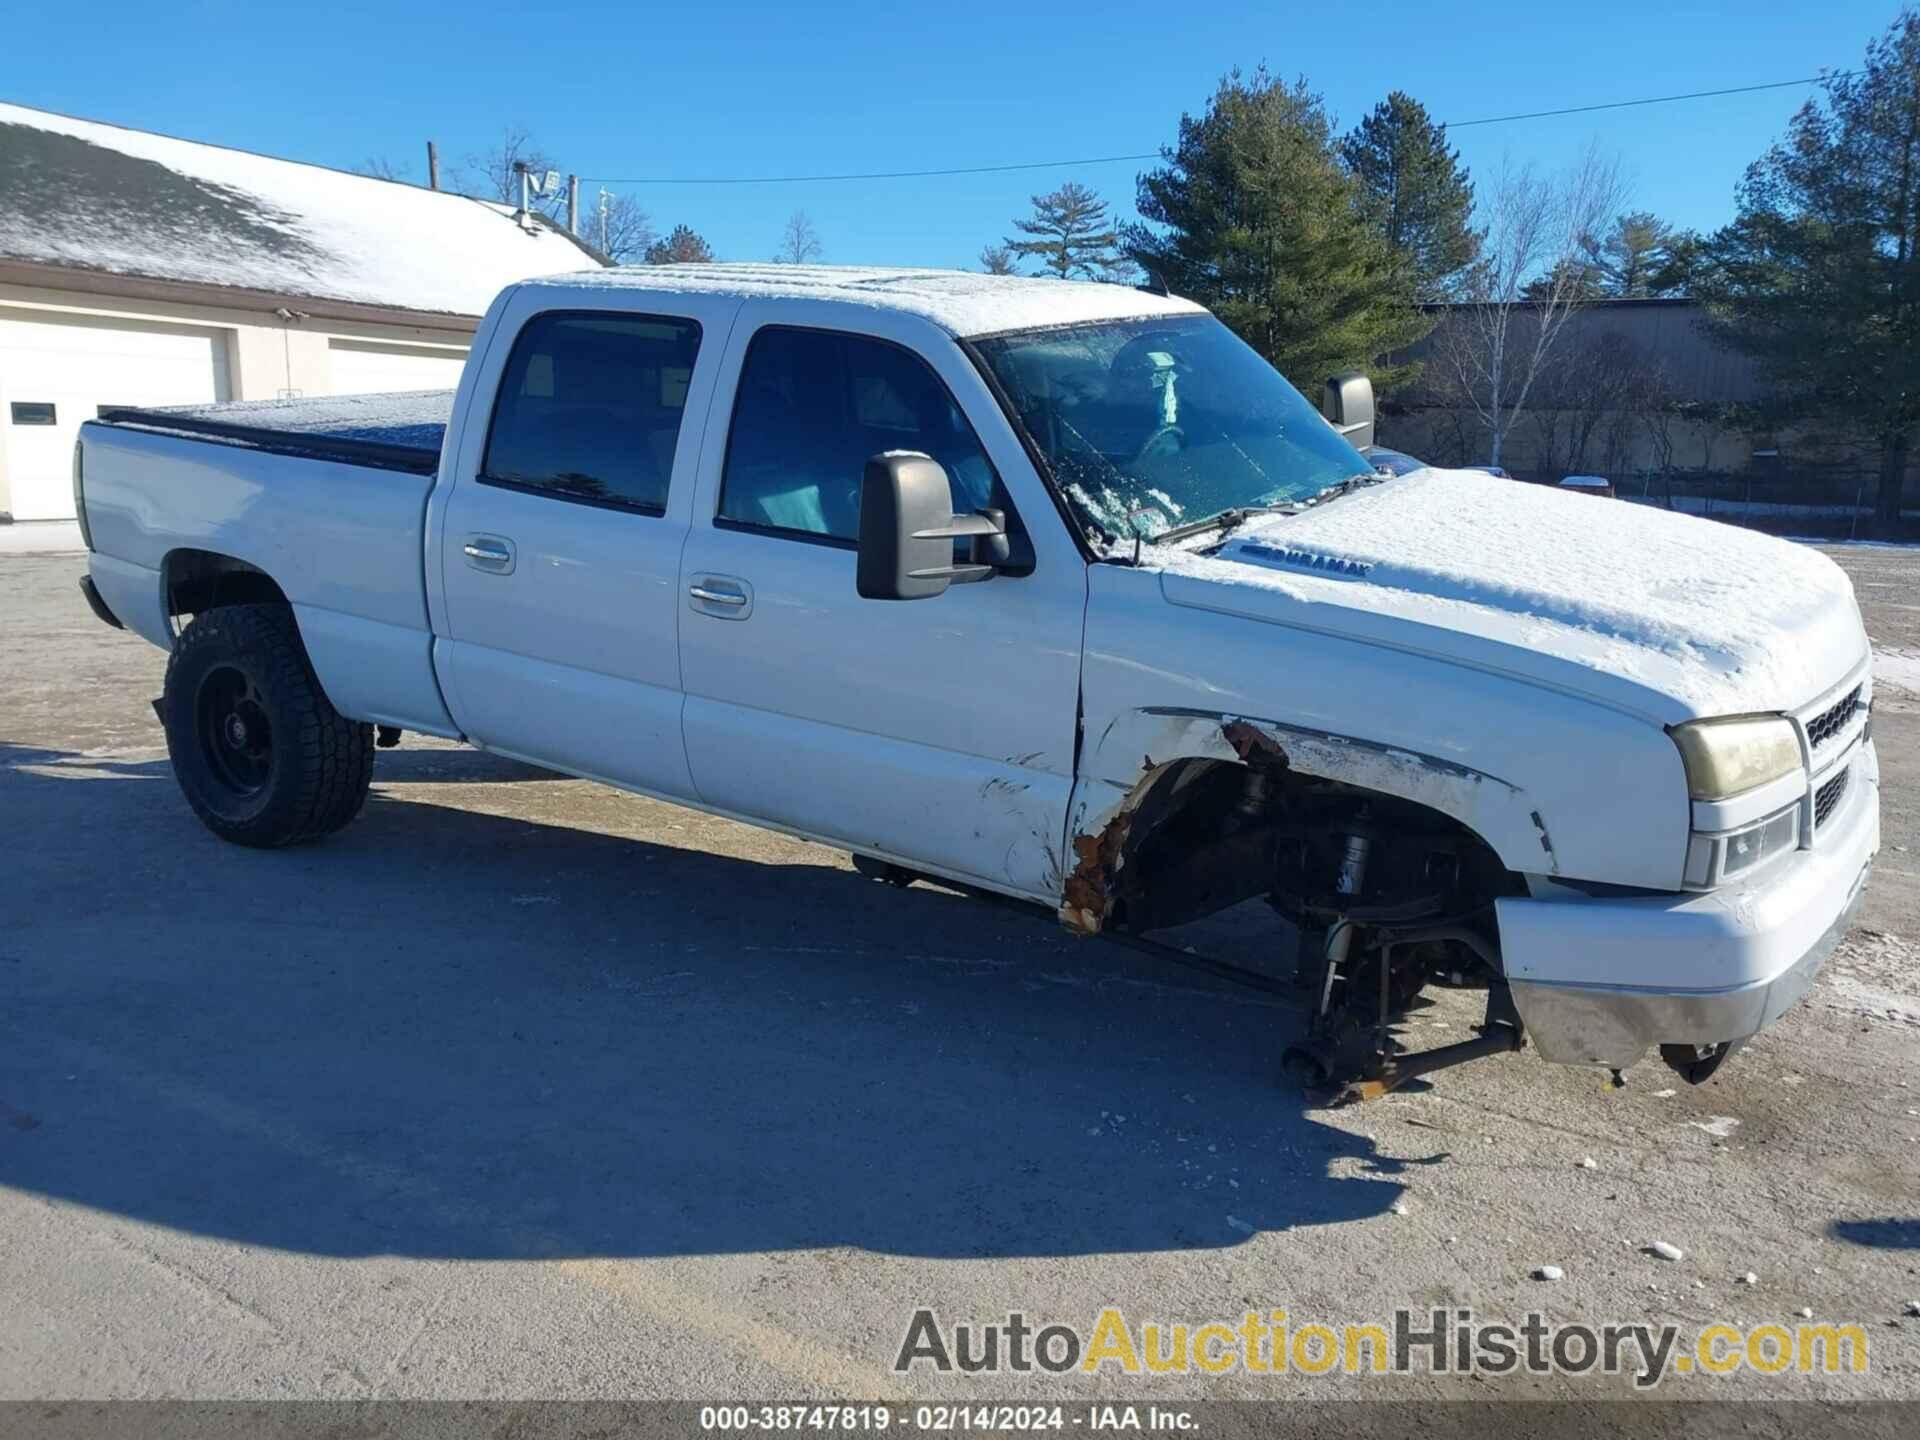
453 1033
1887 1232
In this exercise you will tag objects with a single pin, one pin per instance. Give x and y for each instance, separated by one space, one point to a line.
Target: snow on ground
41 537
1877 975
1898 666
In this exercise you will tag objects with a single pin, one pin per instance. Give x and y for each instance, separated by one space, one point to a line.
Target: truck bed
387 432
328 497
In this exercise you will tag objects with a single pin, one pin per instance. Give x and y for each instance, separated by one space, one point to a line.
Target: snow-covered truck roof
89 196
960 301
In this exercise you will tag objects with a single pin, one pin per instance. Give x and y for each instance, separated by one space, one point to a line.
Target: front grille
1827 798
1831 721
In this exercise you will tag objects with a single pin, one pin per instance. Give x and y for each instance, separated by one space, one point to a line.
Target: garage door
55 373
362 369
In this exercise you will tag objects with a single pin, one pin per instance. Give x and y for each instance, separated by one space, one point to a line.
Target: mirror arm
955 574
987 529
980 522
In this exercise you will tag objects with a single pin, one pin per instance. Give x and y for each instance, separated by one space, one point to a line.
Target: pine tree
1074 237
681 246
1632 260
1257 220
998 260
1415 191
1818 276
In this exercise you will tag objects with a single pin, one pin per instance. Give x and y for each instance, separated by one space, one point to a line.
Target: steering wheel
1167 440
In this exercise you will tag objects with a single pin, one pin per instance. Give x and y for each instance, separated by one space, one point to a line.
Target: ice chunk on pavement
1666 1251
1549 1272
1749 1279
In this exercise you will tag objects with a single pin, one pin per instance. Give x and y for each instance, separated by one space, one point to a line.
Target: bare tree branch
1498 343
381 168
620 227
799 242
491 175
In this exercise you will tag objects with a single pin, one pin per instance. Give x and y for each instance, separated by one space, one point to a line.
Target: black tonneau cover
386 432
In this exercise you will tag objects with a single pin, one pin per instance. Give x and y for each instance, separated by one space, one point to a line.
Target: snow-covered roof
97 197
961 301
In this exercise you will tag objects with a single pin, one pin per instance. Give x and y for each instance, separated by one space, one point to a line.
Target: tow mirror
1348 407
907 530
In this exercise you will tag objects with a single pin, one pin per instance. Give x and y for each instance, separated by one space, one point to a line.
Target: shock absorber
1347 883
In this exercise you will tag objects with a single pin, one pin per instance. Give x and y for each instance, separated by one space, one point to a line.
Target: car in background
1391 462
1588 484
1493 470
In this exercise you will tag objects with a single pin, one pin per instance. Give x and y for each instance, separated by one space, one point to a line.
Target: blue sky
634 90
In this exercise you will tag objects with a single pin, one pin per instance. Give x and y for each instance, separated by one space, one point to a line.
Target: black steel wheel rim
236 738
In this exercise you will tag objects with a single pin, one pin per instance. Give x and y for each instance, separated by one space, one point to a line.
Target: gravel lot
525 1087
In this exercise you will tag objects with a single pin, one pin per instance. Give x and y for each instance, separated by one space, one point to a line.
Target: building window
33 412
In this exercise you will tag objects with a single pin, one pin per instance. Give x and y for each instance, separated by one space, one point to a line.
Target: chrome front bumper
1600 981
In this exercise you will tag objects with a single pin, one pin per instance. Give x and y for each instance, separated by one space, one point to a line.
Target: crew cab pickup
1052 590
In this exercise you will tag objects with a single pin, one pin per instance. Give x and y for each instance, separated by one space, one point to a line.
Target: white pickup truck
1180 647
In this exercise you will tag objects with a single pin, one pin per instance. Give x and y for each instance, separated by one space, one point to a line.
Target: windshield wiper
1345 487
1225 520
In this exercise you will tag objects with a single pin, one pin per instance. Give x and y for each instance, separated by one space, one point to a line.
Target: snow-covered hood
1666 615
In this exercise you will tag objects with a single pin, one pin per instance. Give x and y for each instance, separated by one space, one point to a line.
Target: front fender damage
1107 805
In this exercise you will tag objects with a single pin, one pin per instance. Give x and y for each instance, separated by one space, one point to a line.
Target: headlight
1723 758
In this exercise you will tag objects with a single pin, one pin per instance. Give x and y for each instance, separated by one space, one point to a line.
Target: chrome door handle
489 553
719 597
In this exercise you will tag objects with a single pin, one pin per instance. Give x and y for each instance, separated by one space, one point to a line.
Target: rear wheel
261 755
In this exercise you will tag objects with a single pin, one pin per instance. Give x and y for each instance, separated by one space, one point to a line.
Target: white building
136 269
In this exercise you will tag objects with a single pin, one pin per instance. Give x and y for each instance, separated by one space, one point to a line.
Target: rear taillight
80 492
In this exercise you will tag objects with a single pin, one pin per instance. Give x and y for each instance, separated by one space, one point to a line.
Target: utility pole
604 197
433 166
573 204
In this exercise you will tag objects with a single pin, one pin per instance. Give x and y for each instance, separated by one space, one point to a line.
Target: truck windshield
1159 423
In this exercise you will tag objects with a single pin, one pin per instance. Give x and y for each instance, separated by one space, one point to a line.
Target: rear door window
590 406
